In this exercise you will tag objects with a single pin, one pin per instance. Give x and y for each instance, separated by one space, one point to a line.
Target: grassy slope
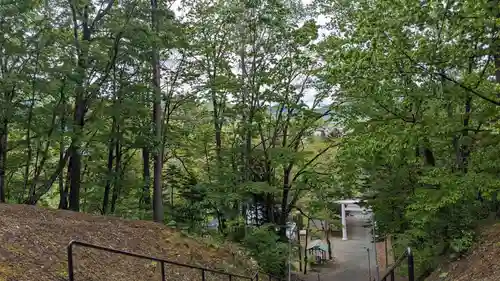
33 248
481 264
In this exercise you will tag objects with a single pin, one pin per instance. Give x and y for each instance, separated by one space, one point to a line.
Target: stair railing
161 262
408 255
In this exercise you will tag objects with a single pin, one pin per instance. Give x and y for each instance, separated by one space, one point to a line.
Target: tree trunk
496 56
118 173
299 227
64 202
29 151
107 188
284 202
146 176
157 120
75 161
305 246
63 196
3 157
328 242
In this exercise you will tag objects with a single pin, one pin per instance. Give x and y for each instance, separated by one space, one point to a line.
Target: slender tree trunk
62 195
284 203
64 202
118 172
217 122
146 175
305 246
111 147
85 186
328 242
158 214
299 226
5 115
247 136
496 56
75 161
107 188
3 157
29 151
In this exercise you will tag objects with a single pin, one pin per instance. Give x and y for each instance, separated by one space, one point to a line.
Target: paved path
350 257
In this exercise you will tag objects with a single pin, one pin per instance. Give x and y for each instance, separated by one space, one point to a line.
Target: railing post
163 278
70 247
369 265
411 268
393 276
71 276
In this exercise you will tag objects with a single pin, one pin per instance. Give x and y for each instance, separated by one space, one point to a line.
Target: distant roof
317 244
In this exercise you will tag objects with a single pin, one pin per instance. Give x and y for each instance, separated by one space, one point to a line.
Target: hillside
33 248
481 264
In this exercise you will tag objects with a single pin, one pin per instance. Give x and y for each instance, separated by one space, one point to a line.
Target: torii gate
343 204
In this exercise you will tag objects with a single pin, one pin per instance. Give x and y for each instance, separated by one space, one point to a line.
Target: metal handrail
162 262
411 267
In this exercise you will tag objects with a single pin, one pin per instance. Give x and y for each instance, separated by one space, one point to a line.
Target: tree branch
312 160
446 77
101 14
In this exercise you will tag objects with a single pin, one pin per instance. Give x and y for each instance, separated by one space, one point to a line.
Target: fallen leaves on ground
481 264
33 244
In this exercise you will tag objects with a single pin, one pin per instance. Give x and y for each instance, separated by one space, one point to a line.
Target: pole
369 265
386 253
411 266
344 223
70 262
290 256
377 276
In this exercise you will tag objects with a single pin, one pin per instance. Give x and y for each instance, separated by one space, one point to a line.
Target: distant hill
273 109
33 248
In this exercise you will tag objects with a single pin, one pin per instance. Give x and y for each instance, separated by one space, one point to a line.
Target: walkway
350 257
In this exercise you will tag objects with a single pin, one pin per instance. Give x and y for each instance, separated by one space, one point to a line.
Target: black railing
161 262
408 255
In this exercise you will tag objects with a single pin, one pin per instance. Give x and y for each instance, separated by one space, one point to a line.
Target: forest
256 113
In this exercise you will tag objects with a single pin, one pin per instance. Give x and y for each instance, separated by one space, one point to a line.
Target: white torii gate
343 204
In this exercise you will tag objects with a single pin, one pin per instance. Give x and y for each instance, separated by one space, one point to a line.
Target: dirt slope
481 264
33 248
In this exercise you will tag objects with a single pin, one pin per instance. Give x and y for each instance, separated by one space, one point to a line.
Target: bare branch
101 14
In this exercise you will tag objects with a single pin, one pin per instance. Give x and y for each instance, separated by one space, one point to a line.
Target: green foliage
420 111
253 99
236 114
266 248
